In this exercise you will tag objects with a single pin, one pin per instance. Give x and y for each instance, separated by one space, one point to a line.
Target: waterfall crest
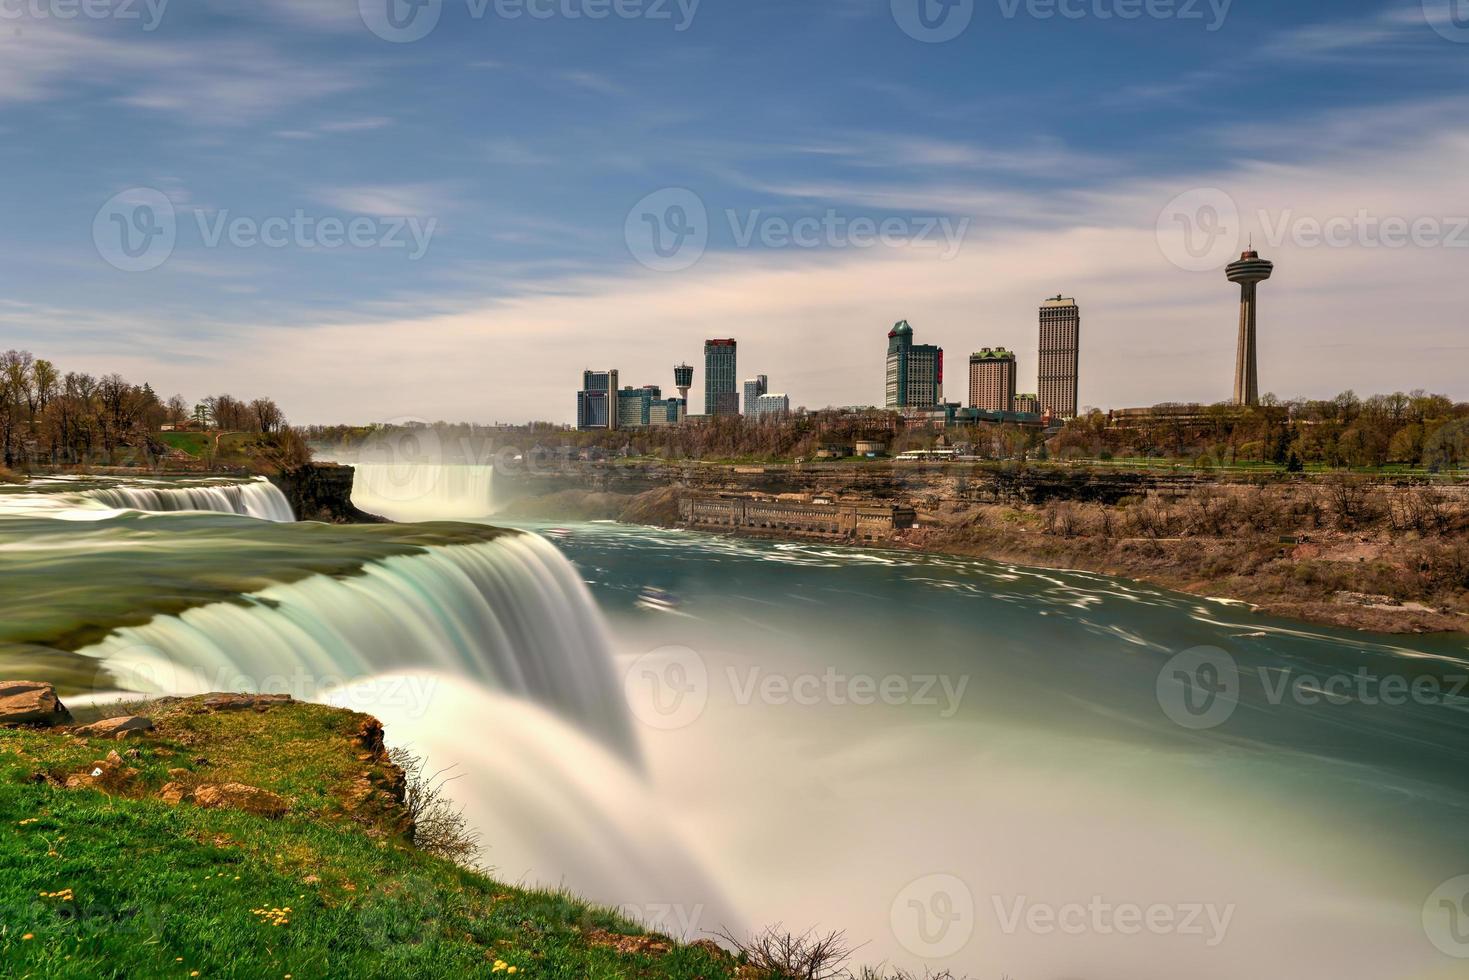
409 491
260 499
510 614
77 499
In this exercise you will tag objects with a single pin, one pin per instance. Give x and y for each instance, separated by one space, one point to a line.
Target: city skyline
252 114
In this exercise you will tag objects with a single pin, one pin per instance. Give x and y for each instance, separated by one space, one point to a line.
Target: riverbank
234 835
1390 558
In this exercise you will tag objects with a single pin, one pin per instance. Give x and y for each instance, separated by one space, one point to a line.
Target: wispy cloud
389 200
784 306
594 82
222 83
361 125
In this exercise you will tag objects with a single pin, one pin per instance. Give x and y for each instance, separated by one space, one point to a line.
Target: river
961 764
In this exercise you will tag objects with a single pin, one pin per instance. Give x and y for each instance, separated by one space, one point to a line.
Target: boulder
244 702
120 727
172 793
31 703
111 775
239 796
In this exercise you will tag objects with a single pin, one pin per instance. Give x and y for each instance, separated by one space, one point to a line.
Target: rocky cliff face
323 492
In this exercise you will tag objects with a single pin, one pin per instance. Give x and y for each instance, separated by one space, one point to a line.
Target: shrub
777 955
439 827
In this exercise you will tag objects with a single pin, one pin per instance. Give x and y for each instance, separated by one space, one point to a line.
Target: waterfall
510 614
407 491
259 498
554 807
78 499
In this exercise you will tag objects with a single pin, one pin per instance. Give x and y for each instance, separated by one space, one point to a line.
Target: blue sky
496 167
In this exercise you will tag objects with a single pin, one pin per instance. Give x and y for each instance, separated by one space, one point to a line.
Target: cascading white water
554 807
424 492
259 499
511 614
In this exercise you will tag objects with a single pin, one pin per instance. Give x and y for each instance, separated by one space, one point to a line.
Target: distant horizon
282 199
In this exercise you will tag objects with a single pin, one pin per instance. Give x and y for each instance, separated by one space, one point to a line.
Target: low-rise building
820 519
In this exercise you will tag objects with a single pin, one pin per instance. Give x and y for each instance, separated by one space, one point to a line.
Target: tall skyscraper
915 375
596 402
721 391
1060 352
992 380
1030 404
754 388
1249 272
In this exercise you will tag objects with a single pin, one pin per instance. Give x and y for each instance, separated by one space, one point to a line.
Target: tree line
48 417
1415 429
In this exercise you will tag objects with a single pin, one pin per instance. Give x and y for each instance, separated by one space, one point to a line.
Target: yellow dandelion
29 935
510 969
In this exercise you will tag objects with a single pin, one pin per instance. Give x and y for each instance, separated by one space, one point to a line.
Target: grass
124 884
196 444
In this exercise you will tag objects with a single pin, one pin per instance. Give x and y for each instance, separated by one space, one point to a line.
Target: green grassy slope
123 884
